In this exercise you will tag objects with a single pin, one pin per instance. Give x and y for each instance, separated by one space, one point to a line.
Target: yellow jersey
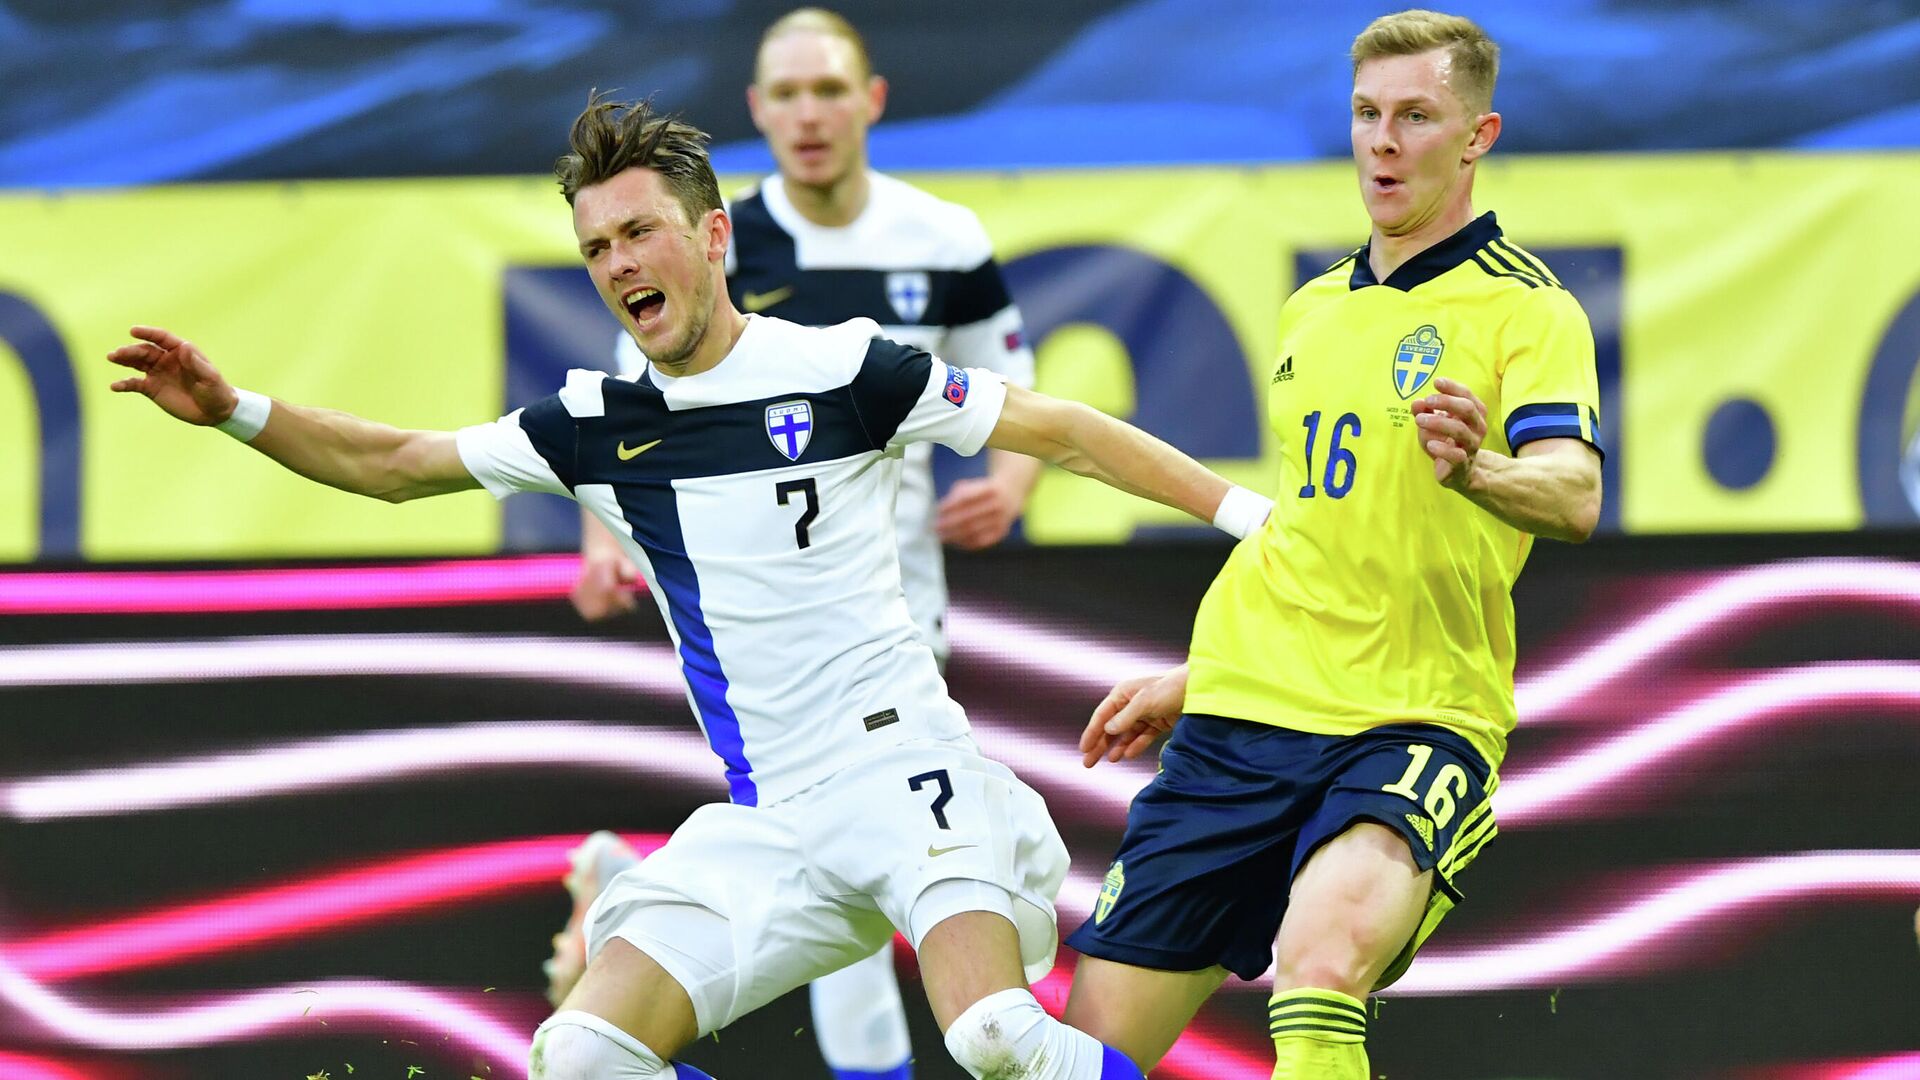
1373 595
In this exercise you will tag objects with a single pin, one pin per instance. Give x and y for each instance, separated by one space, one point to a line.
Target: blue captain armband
1554 420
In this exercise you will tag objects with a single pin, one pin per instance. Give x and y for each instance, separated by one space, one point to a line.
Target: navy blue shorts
1213 843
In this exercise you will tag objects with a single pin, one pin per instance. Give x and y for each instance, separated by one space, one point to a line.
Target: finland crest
1415 360
1109 892
790 426
908 291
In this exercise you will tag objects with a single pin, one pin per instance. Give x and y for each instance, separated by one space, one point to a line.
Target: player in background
1349 690
824 240
750 474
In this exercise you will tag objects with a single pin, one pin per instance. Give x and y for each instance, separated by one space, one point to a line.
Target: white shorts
745 903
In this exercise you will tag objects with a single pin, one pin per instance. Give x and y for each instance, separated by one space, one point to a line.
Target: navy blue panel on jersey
716 440
767 279
653 511
891 379
763 251
976 294
551 430
1212 844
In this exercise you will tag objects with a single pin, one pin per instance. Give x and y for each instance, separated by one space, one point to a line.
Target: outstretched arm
334 448
1084 440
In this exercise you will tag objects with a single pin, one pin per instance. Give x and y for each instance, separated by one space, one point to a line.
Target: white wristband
249 416
1241 512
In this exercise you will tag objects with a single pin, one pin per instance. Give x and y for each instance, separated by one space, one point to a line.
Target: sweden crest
1109 892
1414 361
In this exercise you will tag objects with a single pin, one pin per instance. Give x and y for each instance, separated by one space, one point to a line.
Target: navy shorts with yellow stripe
1213 843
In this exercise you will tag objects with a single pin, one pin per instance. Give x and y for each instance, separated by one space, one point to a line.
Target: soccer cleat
590 868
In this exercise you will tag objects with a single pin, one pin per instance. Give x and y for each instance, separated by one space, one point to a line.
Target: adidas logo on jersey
1285 372
1423 827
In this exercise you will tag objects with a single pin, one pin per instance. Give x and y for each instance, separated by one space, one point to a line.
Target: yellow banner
1764 314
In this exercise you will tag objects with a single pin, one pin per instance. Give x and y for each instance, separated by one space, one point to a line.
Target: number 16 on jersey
1342 466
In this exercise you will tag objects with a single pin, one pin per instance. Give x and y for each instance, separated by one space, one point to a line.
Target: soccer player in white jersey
750 473
827 239
824 240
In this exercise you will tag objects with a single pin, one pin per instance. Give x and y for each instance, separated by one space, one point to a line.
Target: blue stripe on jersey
1115 1065
766 264
653 511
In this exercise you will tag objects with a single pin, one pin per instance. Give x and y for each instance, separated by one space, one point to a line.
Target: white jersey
919 266
757 499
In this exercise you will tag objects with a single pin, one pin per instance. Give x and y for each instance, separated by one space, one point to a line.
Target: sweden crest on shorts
1116 880
908 291
1415 360
790 426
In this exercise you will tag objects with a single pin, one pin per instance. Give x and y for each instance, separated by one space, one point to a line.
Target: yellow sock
1317 1035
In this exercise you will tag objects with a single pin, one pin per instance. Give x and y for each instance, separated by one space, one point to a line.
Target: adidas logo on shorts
1285 371
1422 826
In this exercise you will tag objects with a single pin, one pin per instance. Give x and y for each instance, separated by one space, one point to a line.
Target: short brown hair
610 137
1476 59
819 21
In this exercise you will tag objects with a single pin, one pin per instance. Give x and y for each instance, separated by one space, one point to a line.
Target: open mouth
1385 184
644 304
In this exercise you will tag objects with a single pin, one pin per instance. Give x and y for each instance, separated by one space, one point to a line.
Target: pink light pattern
342 760
260 916
330 588
1623 940
22 1067
336 901
346 1005
619 665
1576 784
1733 598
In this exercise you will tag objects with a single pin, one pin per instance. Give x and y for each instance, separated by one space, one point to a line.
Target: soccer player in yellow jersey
1350 686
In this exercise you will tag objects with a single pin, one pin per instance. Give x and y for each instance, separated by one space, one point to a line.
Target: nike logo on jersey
761 301
629 455
936 852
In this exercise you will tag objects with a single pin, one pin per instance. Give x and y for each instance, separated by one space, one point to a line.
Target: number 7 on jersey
783 490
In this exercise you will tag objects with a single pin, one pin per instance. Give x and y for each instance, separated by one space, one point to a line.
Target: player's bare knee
1323 968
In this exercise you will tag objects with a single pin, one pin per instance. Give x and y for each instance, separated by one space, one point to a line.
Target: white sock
1007 1034
575 1045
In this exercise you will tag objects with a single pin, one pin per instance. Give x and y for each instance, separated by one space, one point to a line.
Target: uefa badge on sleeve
790 426
956 391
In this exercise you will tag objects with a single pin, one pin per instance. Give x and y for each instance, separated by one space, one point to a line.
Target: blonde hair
817 21
1476 59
